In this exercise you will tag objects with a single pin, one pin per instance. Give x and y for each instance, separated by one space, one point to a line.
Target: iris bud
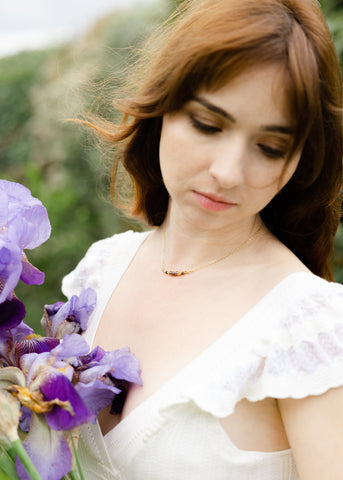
9 419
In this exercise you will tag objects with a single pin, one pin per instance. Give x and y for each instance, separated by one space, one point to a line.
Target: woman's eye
272 152
204 127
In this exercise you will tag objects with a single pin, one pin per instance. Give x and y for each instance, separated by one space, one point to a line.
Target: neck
185 248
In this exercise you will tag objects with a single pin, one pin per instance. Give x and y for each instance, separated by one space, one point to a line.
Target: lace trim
308 368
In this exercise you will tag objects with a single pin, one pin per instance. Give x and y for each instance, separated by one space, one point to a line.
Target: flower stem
11 453
78 465
72 475
27 462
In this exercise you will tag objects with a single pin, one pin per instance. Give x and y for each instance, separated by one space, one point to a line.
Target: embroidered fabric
290 344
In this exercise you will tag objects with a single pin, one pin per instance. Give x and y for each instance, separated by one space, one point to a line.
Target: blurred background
57 61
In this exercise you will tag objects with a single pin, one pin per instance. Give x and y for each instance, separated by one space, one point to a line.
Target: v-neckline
205 352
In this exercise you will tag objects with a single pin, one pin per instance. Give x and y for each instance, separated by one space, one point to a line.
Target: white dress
290 344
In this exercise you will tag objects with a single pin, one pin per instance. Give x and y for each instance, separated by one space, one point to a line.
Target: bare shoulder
277 258
314 428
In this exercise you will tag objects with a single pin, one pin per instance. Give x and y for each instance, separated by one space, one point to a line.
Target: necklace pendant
175 273
180 273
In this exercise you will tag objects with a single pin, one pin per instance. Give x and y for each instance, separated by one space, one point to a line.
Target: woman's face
223 155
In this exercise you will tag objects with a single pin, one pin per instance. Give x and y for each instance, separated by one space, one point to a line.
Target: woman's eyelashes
271 152
209 129
203 127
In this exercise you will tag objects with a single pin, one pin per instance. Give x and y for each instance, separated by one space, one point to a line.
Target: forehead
261 89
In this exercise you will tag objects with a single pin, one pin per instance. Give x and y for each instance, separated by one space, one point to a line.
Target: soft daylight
171 241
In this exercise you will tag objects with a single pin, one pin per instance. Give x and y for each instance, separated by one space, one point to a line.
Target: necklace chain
179 273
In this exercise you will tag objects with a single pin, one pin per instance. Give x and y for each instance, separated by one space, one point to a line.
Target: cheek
170 154
170 138
175 147
272 176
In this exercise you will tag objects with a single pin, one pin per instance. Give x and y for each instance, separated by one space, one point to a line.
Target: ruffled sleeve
87 273
289 345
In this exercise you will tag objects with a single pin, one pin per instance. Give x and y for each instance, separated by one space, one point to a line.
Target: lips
213 202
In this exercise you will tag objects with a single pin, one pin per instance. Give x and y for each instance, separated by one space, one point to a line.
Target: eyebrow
223 113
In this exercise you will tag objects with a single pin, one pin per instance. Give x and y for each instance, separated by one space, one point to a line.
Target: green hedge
58 161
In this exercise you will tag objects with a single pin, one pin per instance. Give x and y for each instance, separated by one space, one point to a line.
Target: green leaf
22 454
3 475
7 467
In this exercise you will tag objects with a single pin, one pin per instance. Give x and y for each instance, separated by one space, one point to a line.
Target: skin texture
314 429
230 143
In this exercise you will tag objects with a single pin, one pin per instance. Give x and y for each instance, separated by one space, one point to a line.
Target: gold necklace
179 273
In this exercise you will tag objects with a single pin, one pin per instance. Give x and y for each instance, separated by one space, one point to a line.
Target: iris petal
97 395
9 339
11 376
3 208
34 344
48 450
94 356
125 364
10 268
71 346
72 316
95 371
21 331
12 313
58 386
30 274
6 341
37 226
25 419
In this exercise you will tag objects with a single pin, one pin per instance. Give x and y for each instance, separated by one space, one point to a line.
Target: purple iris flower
56 385
33 344
9 338
3 206
93 357
10 267
21 340
48 450
25 419
17 203
71 317
70 347
17 236
101 373
121 364
51 373
24 224
12 312
67 352
14 198
68 385
97 394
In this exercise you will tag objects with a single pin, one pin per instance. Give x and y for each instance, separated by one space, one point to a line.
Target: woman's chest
167 331
166 325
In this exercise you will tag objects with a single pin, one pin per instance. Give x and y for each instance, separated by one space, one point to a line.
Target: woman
234 145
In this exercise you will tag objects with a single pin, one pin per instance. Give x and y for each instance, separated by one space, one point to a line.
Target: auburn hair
206 43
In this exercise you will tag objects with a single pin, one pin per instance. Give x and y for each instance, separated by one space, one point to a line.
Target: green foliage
17 75
333 10
58 161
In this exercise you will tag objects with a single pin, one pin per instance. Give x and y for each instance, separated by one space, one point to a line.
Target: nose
227 162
